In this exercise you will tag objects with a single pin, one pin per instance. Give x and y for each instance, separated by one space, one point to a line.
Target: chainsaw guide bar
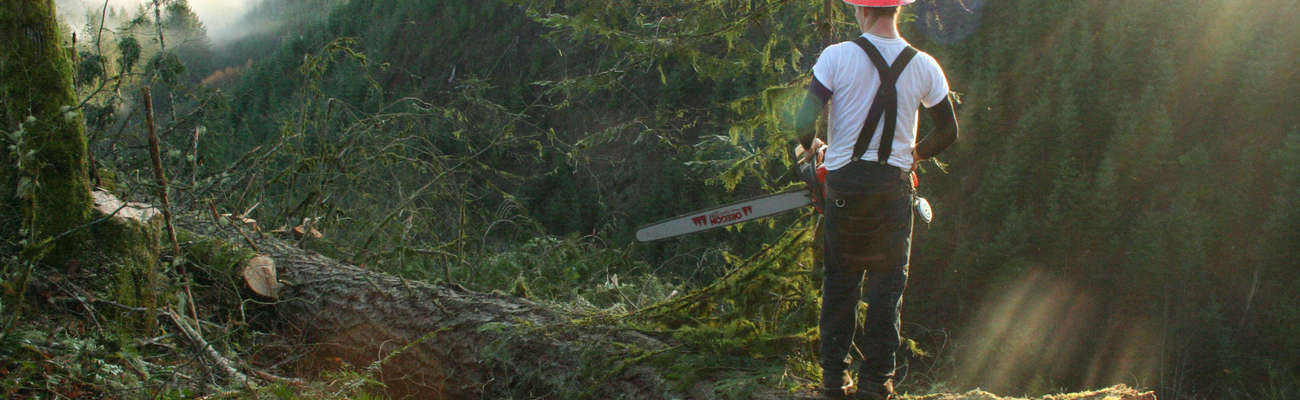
726 215
810 172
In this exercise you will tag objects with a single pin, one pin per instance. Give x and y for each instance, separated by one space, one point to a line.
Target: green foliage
1144 171
60 363
516 146
748 328
90 69
167 67
129 48
549 178
570 269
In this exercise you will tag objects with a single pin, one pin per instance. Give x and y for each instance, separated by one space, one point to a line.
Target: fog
218 16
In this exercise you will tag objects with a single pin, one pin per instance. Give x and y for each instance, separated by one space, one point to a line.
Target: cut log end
259 275
108 204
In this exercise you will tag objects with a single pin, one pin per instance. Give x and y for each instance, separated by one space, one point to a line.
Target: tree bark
45 193
444 342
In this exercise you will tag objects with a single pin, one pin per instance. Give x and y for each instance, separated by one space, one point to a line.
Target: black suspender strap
885 104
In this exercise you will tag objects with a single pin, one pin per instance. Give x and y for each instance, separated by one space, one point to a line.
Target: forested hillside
1129 173
1122 206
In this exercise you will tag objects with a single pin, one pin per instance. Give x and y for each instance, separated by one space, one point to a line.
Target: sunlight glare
1042 327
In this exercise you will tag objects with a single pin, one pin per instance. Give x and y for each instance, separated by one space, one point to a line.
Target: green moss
36 80
108 180
217 256
129 250
519 288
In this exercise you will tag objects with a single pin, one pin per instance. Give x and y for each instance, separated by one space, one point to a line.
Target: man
875 85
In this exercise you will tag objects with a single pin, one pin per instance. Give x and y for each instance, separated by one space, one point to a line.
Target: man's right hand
817 146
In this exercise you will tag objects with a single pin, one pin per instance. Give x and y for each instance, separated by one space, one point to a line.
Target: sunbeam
1040 329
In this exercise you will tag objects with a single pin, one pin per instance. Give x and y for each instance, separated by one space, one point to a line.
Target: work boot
875 391
836 385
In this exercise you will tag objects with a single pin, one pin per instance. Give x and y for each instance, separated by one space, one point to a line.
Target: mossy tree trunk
45 198
44 187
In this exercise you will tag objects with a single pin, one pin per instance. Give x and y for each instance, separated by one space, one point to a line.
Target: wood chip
300 230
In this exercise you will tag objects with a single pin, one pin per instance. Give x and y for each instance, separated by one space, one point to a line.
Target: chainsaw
813 193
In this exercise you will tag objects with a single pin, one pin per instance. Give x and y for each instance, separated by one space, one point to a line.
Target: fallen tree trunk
424 340
434 341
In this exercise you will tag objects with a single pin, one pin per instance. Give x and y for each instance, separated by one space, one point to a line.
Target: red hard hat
879 3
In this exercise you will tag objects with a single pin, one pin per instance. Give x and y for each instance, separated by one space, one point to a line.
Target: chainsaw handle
821 152
821 158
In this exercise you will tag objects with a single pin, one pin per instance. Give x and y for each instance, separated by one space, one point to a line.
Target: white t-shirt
847 71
